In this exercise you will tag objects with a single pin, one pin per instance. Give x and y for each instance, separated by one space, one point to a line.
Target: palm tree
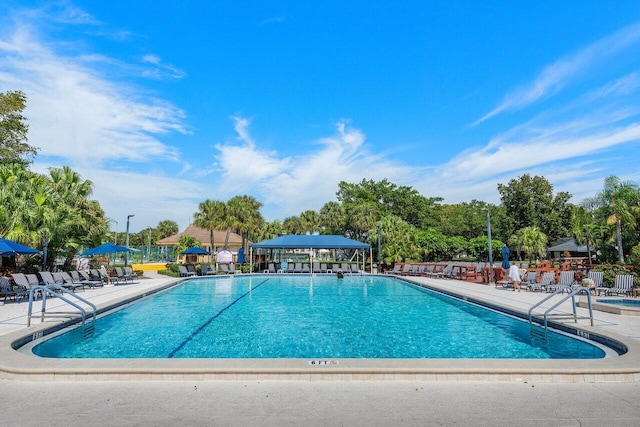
619 200
211 216
167 228
332 218
531 241
244 212
310 221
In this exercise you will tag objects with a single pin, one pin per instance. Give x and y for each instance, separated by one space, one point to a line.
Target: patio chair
355 269
397 269
567 278
548 279
92 283
335 267
291 267
192 269
623 285
183 272
22 281
129 271
232 268
323 267
316 268
305 268
297 268
271 268
7 291
69 282
124 277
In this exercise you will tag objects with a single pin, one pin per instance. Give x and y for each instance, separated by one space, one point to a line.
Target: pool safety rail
540 332
52 290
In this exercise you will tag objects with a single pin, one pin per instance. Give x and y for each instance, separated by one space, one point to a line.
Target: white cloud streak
556 76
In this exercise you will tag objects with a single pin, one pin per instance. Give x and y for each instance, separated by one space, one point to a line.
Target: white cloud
556 76
76 113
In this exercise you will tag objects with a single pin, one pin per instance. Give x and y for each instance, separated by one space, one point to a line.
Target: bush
169 273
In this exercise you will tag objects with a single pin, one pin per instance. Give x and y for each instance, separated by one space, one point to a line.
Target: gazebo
312 242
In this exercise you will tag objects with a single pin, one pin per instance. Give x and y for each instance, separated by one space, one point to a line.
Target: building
202 236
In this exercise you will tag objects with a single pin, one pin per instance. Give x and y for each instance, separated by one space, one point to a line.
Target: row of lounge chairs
189 270
71 281
315 267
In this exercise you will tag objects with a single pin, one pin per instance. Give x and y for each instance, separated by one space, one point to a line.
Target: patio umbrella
240 256
194 251
106 248
10 248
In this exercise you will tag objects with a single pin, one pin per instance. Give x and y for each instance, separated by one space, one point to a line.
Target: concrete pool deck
625 329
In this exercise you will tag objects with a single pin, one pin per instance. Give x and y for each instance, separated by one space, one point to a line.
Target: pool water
622 302
283 316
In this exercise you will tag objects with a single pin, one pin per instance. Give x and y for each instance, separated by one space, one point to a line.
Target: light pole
379 253
126 238
490 249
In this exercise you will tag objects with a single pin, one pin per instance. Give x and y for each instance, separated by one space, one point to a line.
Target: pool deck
623 329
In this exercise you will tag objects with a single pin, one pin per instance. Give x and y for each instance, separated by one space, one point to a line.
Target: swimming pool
281 316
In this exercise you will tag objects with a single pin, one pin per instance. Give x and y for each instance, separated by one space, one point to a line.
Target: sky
163 105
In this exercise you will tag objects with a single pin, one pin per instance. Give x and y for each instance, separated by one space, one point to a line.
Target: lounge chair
69 282
124 277
208 270
324 268
567 278
297 267
305 268
623 285
192 269
597 277
316 268
232 268
92 283
27 282
335 267
397 269
7 291
271 268
355 269
547 283
183 272
291 267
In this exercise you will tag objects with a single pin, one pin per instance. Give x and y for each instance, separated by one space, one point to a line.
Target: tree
529 202
212 215
389 199
13 130
166 228
619 201
531 241
333 218
185 243
244 215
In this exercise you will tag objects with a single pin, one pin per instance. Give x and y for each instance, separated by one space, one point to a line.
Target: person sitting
514 276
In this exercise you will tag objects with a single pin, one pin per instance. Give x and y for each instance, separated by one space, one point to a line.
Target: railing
56 291
541 333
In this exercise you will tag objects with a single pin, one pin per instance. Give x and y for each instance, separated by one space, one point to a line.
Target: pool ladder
541 332
56 291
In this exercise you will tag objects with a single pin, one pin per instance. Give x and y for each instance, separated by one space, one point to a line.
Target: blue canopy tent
311 242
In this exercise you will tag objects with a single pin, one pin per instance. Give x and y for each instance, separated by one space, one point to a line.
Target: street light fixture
490 249
126 238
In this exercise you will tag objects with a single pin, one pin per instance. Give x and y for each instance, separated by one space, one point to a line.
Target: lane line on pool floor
214 317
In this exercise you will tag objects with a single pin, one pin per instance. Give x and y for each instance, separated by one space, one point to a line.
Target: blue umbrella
240 256
195 251
10 248
505 257
106 248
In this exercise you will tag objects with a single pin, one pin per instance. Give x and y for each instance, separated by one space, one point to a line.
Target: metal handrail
572 292
59 292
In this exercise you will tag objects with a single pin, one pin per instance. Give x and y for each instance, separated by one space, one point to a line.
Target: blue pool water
622 302
280 316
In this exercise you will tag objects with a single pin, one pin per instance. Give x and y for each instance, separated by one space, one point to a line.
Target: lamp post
126 238
379 253
490 249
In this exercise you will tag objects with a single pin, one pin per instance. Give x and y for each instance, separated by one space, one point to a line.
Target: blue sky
165 104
